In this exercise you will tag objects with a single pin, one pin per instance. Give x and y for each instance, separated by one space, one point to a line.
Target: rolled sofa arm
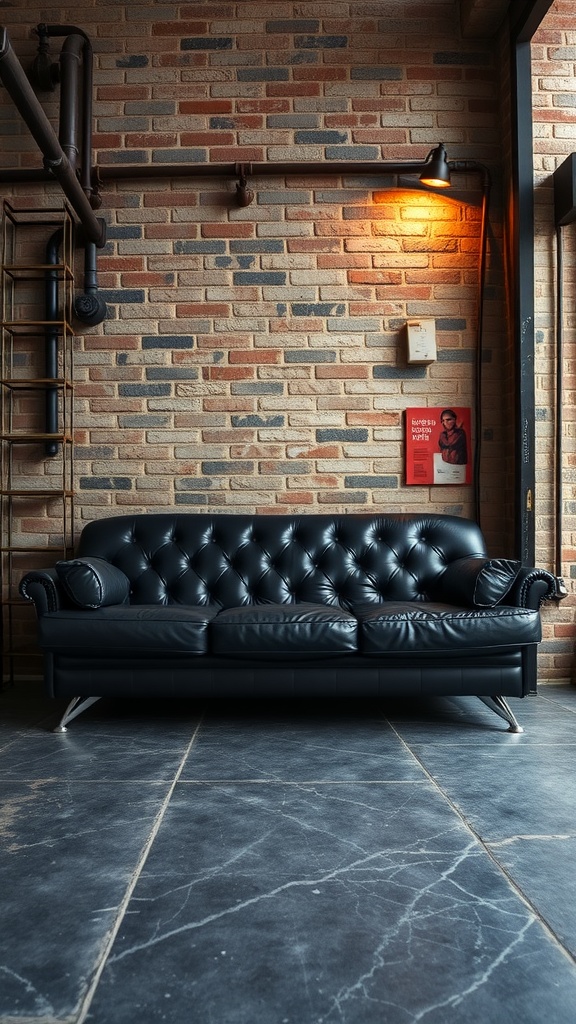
477 581
532 587
44 589
87 583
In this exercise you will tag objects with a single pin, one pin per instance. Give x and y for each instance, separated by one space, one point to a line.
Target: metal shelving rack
36 374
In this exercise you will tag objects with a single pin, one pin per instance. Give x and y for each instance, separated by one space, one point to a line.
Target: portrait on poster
438 449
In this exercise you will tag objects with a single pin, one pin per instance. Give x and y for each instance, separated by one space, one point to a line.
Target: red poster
438 445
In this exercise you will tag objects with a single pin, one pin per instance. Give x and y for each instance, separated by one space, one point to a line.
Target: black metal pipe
558 424
89 306
14 78
76 45
478 168
69 96
105 172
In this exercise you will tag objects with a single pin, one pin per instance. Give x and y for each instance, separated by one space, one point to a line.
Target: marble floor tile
68 852
542 867
135 744
327 903
273 744
507 790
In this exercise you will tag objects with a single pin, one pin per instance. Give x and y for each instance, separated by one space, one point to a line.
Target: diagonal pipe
16 82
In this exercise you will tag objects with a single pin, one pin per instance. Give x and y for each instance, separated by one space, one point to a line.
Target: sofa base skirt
504 671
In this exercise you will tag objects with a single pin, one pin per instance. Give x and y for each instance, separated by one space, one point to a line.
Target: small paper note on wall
438 445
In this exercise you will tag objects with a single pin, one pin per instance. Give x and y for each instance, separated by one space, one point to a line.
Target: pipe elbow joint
90 308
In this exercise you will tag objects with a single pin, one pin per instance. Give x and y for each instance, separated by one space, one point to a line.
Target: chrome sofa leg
502 708
76 706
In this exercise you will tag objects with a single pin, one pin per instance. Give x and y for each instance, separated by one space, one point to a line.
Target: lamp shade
437 171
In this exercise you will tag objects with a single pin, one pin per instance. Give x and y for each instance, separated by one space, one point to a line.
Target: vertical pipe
559 496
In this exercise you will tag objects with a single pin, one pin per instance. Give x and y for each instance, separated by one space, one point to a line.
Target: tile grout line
484 845
89 996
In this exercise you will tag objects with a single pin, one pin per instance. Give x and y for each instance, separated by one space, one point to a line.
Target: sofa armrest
481 582
532 587
44 589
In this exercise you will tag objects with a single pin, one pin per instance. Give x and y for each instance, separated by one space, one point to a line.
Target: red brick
221 106
179 28
185 309
257 355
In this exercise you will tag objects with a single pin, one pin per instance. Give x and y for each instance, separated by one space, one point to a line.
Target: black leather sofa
205 605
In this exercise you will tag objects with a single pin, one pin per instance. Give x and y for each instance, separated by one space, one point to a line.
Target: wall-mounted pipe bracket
244 195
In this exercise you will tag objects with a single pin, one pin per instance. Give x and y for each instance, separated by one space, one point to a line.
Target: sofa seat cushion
417 627
282 631
172 629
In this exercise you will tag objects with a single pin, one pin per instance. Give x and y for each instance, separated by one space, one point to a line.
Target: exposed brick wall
554 105
254 357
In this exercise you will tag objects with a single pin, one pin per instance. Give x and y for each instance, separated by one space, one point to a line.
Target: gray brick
143 390
292 121
456 355
105 483
123 294
257 245
211 246
257 421
206 43
451 323
309 356
93 451
125 231
262 277
371 481
376 74
192 484
145 421
179 156
293 25
399 372
171 373
335 434
177 341
127 156
191 499
307 42
353 153
134 61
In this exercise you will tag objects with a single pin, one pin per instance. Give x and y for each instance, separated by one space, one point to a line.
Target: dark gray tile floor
289 864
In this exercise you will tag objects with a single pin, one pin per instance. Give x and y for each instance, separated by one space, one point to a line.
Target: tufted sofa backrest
232 560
